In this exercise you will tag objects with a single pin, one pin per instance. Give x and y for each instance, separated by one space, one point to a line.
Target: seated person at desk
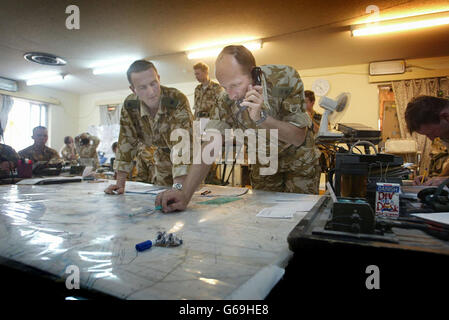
149 116
278 103
68 151
429 116
8 158
39 152
86 146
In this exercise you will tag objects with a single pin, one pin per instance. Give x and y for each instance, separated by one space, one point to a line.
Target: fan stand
324 131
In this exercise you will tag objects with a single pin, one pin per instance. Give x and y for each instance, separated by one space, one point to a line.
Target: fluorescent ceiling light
213 52
409 23
47 79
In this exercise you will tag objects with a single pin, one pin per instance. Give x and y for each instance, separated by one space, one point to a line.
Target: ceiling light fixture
214 51
47 59
402 24
45 80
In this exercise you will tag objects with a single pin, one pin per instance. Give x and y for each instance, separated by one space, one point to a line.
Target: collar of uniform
145 110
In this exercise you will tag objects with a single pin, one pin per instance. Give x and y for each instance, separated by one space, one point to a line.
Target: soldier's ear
444 115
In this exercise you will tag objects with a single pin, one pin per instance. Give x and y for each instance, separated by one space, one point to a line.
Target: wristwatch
177 186
263 117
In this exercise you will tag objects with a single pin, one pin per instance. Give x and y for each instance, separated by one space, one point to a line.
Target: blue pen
144 245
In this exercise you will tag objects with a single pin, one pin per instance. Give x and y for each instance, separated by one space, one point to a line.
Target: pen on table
205 192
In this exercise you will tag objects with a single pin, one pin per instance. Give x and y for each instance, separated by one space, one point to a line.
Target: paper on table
281 211
143 188
440 217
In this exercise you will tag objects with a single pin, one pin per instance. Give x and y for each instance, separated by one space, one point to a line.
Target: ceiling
305 34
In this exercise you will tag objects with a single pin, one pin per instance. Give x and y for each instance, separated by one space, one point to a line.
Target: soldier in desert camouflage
149 115
207 96
39 152
277 104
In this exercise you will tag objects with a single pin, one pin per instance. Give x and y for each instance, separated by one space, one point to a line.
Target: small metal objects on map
164 239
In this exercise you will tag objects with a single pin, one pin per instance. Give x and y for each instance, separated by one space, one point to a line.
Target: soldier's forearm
179 179
121 178
287 132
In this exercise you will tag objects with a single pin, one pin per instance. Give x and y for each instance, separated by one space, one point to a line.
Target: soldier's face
309 105
200 75
232 79
40 137
146 85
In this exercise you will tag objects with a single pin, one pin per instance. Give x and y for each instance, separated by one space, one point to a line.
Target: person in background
8 158
207 93
429 116
68 151
316 117
86 146
39 152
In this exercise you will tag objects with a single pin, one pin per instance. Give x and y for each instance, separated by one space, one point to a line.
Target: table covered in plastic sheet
227 252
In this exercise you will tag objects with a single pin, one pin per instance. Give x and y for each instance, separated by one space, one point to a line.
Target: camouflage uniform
7 154
298 170
88 153
145 164
206 98
66 153
439 159
137 125
45 154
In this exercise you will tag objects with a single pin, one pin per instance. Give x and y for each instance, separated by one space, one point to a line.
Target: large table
227 252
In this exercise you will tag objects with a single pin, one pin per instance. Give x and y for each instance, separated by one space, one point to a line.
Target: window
23 117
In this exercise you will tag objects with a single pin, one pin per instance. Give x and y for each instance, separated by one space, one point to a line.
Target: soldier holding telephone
265 97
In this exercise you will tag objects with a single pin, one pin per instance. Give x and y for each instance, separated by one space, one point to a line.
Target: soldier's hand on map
115 189
172 200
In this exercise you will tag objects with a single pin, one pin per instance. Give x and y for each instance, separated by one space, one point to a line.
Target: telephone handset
256 74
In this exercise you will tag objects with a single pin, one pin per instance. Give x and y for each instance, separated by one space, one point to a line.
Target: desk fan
334 111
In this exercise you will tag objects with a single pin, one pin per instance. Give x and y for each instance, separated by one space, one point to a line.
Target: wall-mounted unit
386 67
8 85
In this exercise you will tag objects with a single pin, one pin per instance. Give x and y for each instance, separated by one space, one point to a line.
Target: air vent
44 58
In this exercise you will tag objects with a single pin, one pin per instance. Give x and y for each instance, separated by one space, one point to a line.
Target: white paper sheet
440 217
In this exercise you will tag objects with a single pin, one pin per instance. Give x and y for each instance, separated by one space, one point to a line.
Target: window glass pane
22 118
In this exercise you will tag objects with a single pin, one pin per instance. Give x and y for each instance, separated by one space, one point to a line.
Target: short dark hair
242 55
114 145
39 128
139 66
310 95
67 139
424 110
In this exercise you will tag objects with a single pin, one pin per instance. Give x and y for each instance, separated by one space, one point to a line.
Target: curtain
404 91
109 115
6 103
